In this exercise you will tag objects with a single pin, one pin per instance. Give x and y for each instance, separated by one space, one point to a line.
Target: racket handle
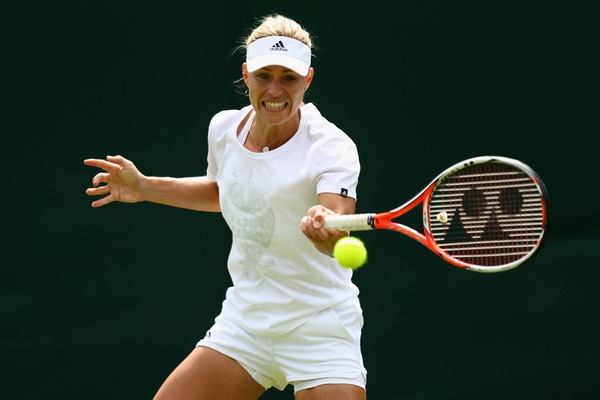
352 222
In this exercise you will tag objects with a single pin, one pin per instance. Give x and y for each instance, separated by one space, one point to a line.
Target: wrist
146 188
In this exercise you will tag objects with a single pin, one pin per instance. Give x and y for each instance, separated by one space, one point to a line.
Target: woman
292 314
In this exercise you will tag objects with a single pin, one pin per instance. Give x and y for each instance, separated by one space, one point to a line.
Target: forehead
276 68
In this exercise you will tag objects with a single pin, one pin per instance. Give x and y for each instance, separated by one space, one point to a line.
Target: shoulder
328 136
224 120
316 122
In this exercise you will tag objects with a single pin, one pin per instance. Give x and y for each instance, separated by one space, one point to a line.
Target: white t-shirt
279 279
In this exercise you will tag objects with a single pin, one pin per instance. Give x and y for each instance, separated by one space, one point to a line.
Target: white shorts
324 350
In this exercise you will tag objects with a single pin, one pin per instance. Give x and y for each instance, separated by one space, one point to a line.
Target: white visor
278 50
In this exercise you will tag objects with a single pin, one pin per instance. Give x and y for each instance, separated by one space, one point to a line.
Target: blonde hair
278 25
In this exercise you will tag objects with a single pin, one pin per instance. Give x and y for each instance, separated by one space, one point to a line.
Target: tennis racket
485 214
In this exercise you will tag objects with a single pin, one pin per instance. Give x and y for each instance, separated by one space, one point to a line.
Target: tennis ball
350 252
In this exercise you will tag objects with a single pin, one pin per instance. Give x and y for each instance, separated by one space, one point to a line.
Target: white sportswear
280 280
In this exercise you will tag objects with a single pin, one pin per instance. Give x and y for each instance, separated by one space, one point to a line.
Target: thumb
120 160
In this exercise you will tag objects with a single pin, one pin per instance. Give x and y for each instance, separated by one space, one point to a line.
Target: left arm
312 224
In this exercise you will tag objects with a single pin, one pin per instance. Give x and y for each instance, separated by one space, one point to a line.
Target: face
276 92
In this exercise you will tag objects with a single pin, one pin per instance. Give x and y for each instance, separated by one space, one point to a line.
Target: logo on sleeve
344 192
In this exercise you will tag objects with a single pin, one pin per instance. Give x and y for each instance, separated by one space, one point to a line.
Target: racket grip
352 222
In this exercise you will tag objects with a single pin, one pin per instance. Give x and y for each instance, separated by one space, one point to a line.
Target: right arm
125 183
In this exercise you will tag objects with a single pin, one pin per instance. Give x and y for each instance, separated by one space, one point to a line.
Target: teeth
274 105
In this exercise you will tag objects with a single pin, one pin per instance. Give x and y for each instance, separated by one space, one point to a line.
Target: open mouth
275 105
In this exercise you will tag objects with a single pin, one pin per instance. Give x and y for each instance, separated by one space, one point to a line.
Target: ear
309 77
245 73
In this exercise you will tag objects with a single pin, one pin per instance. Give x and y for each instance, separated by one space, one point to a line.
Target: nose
275 89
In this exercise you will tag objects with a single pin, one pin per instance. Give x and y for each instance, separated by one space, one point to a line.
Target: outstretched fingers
105 165
120 180
102 177
109 165
103 201
98 191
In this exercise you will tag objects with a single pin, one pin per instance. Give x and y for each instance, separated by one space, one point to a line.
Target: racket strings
494 214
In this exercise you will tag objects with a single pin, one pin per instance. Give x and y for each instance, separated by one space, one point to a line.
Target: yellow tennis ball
350 252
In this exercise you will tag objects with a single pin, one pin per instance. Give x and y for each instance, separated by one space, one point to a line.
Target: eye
290 78
263 75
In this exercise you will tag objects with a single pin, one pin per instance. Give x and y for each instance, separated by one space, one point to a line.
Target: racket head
486 214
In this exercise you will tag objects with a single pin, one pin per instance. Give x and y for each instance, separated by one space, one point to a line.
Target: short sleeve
217 131
338 167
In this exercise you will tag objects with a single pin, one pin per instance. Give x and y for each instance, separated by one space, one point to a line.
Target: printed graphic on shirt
249 216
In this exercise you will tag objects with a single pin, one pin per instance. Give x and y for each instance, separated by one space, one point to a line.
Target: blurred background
105 303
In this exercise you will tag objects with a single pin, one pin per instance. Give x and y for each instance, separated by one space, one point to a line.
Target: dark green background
104 303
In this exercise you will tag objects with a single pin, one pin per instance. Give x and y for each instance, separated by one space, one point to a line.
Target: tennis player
292 315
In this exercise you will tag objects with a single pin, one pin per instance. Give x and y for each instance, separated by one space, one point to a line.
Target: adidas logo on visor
278 47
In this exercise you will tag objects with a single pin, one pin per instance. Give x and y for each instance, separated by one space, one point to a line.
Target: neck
268 136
